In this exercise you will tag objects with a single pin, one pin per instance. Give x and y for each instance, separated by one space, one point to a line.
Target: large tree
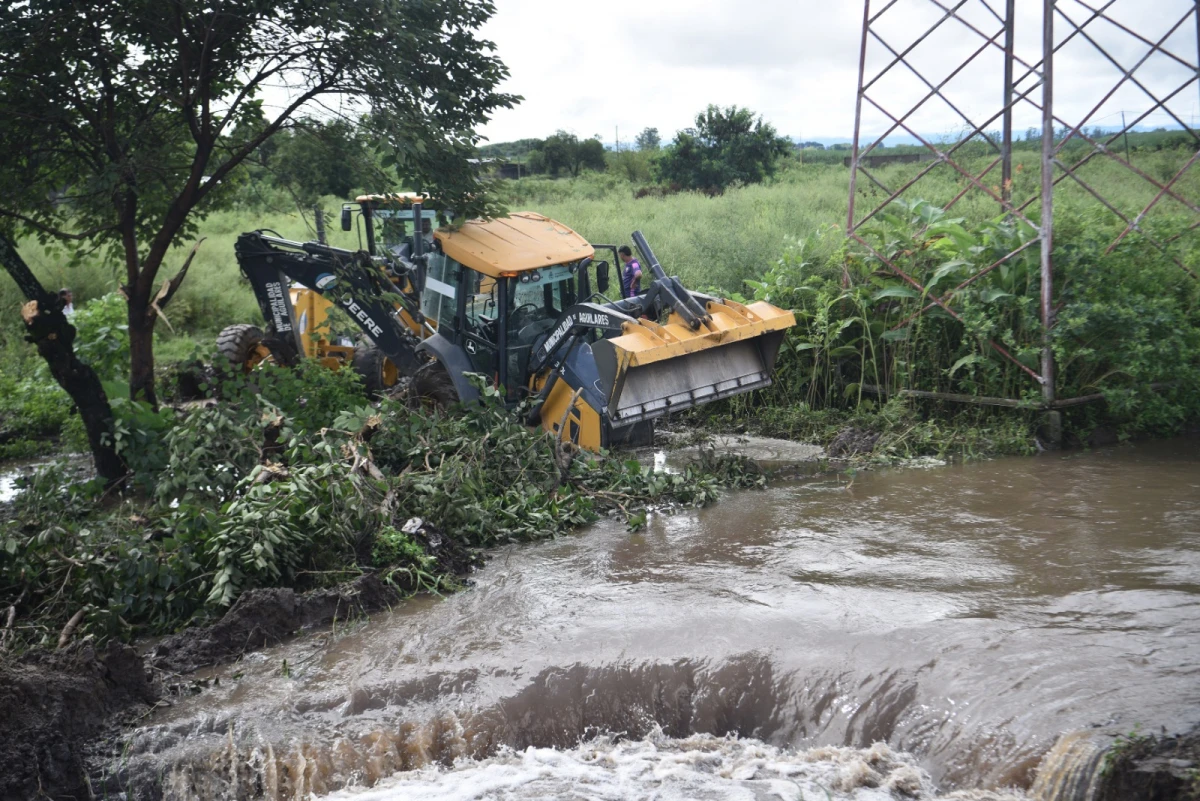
120 119
567 152
727 146
648 139
323 158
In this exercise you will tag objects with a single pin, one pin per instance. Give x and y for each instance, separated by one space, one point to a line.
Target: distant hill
510 151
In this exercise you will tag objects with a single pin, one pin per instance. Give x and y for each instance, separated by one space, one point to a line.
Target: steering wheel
531 332
515 314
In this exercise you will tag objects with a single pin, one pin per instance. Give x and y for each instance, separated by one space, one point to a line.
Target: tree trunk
141 351
48 328
55 339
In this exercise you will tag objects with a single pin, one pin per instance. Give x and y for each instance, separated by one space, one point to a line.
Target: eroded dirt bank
53 705
1156 768
58 705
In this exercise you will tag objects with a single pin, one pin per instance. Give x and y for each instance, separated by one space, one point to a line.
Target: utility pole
1006 142
1053 417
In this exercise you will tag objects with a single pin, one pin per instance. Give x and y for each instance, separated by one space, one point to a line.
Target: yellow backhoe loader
521 300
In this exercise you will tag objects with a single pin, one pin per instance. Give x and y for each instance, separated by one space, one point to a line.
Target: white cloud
592 68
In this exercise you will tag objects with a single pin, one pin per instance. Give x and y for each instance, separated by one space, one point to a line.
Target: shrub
1127 327
102 336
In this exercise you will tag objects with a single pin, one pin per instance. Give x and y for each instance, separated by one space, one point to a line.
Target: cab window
543 294
539 297
481 304
441 282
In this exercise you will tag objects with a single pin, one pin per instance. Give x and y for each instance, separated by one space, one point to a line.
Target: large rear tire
242 345
378 373
432 385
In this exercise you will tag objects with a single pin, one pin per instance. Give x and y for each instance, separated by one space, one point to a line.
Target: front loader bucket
651 370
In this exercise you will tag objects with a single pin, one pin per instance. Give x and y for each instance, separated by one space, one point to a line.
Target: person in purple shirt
631 273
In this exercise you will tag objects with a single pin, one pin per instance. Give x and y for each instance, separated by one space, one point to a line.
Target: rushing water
965 616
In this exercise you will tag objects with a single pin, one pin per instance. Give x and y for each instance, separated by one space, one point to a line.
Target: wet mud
1156 767
267 617
62 710
852 441
54 705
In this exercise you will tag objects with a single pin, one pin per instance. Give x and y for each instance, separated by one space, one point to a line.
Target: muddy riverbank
55 705
63 706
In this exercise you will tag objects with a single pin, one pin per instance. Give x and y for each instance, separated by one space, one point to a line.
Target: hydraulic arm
369 288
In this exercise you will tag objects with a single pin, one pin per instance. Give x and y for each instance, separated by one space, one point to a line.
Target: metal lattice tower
1100 58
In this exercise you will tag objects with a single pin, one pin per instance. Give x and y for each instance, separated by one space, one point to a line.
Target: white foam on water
701 767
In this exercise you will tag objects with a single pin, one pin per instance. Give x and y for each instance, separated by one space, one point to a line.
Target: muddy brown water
968 615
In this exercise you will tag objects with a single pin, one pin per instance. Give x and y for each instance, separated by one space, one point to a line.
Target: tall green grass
213 295
710 242
722 241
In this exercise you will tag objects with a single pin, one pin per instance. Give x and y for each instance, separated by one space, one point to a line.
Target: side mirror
602 277
347 218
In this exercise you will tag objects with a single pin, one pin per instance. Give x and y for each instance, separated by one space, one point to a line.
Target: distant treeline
1029 140
530 153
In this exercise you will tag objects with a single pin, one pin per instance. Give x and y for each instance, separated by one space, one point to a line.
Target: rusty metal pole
1006 143
1053 425
862 65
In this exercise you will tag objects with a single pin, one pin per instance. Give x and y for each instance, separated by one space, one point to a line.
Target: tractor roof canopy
519 242
398 199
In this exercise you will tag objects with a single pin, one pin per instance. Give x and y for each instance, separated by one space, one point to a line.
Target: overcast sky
592 68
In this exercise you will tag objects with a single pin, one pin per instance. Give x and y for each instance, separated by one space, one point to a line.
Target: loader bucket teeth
651 370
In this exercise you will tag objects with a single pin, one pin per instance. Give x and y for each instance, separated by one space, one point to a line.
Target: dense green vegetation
566 154
122 141
727 147
1128 331
295 481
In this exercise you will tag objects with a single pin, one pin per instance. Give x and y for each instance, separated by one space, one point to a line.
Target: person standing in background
631 273
68 299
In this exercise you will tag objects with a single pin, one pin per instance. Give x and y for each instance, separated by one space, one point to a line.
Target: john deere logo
325 279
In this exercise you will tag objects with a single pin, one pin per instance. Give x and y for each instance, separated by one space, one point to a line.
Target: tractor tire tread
235 342
432 382
368 363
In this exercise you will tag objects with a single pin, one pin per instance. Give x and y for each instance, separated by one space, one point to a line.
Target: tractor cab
489 289
495 289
